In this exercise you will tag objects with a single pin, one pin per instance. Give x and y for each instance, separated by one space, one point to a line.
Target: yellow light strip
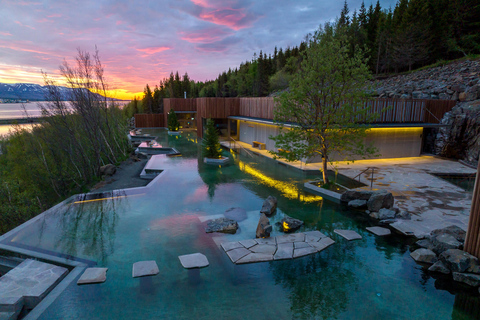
103 199
288 190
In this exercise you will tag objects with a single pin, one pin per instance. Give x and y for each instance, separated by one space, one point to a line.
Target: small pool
372 278
465 181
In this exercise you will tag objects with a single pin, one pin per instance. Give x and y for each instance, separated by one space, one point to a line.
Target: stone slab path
93 275
194 260
144 268
348 234
379 231
282 247
27 284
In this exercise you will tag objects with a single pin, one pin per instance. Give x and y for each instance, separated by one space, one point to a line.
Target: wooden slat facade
388 111
143 120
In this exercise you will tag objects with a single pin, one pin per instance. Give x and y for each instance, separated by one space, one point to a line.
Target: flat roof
373 125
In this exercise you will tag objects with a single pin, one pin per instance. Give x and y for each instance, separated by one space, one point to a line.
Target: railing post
472 242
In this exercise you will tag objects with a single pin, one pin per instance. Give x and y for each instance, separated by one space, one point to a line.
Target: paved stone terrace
283 247
433 202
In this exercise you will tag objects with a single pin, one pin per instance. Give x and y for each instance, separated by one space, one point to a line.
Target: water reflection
312 280
88 226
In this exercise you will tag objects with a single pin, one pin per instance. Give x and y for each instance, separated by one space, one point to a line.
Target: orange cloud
153 50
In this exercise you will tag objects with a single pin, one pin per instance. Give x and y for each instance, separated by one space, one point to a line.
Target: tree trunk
324 170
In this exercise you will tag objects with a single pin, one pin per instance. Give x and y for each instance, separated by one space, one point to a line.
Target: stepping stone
270 241
227 246
93 275
379 231
299 245
237 254
194 260
294 237
264 248
284 251
248 243
255 257
144 268
322 244
28 283
303 252
314 236
348 234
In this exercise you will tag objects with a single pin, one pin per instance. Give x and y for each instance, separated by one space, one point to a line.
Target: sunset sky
143 41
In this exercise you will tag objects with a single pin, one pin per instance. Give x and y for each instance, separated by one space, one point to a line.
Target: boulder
424 256
263 228
462 96
359 204
350 195
384 214
425 243
405 215
269 206
223 225
290 224
473 93
379 200
468 278
458 261
107 170
444 242
458 233
237 214
439 267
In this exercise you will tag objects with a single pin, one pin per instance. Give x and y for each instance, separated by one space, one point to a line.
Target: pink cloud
153 50
229 14
205 36
24 25
55 15
5 33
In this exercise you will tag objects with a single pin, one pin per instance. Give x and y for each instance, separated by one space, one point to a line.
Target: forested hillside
413 34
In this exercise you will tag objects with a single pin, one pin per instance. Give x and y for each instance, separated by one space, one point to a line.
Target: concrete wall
390 142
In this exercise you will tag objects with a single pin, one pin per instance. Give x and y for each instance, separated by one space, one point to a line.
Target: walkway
433 202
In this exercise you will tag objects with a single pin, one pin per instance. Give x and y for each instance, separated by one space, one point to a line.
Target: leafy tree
325 104
211 145
173 123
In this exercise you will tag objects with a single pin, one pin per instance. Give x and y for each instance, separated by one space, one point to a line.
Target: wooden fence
149 120
388 110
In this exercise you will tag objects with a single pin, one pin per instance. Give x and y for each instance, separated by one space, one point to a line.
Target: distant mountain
29 91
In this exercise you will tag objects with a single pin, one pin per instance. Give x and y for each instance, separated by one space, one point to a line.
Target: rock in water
351 195
263 228
222 225
379 200
459 261
360 204
453 230
439 267
237 214
444 242
290 224
468 278
424 255
269 206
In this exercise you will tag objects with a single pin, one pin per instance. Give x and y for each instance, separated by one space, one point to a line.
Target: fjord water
372 278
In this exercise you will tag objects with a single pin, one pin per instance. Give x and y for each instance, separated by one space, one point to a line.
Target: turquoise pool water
372 278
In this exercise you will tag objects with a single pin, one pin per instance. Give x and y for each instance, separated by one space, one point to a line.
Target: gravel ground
127 176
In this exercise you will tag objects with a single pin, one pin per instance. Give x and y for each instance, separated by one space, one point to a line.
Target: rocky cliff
460 138
456 81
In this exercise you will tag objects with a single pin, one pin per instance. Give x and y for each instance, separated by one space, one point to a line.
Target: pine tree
173 124
211 147
147 100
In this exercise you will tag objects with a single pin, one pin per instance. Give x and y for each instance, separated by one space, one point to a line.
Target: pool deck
432 202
